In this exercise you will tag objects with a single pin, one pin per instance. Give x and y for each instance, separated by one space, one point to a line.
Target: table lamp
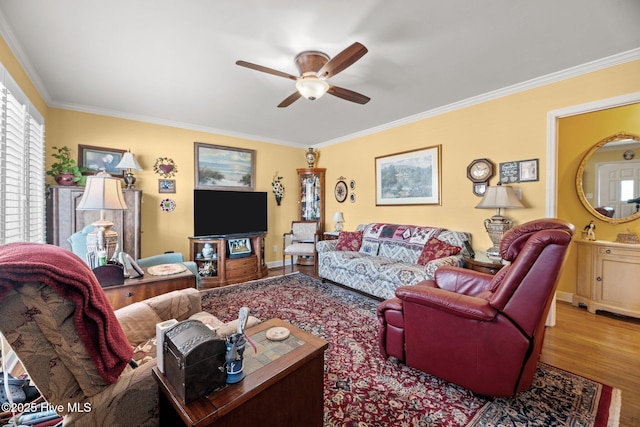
129 163
498 197
338 218
102 192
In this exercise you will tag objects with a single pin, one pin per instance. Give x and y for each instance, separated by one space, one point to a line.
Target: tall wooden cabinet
63 219
311 195
607 277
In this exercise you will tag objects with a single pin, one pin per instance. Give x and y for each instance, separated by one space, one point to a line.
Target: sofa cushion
349 241
435 249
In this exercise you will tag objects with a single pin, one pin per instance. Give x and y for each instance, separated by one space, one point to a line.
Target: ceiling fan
315 68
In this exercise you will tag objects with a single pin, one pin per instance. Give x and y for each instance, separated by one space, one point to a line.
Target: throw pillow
349 241
435 249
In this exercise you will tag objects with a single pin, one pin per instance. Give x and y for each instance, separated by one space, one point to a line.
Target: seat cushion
299 249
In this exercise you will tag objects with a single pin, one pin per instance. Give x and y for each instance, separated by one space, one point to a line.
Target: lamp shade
102 192
500 197
128 161
338 217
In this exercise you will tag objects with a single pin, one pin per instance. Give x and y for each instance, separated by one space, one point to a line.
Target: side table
483 263
147 286
330 235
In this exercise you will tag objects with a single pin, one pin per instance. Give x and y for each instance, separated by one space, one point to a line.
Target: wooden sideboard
607 277
63 219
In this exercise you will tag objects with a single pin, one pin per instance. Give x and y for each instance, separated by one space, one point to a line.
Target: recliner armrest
462 281
451 302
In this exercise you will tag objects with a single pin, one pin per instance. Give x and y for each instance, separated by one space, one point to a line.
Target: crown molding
610 61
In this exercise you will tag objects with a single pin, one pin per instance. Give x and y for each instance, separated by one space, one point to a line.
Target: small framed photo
528 170
239 248
166 186
96 158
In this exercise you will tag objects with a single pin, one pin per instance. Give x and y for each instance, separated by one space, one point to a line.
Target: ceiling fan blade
290 99
349 95
266 70
342 60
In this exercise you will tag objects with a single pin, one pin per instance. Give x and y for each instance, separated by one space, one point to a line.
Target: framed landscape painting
409 178
224 168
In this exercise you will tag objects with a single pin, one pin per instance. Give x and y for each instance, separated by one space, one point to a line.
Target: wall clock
341 191
480 170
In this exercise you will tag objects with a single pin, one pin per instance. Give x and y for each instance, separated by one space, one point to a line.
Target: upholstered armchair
301 242
75 348
476 330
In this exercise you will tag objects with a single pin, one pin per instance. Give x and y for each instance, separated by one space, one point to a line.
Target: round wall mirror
608 179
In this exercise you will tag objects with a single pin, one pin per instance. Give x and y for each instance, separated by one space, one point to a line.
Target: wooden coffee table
283 386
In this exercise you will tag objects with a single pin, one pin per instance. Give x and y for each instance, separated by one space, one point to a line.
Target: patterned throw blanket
70 277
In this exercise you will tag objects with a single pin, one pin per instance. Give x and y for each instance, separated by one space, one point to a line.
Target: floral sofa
377 258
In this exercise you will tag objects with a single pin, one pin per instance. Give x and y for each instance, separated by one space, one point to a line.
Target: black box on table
194 360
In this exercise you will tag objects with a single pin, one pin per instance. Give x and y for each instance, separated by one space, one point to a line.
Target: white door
617 183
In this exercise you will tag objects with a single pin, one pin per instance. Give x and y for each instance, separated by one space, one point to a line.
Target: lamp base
103 237
338 227
496 226
129 180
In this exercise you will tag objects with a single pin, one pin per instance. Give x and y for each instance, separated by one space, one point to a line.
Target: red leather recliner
479 331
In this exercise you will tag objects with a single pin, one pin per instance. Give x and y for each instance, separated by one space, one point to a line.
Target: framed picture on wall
224 168
96 158
409 178
528 170
166 186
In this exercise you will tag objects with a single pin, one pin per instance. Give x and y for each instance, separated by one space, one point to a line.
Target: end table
483 263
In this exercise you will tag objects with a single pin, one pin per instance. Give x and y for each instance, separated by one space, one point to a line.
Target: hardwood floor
603 347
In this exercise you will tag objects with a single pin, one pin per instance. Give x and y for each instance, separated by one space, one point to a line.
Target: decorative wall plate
341 191
165 167
352 197
352 184
167 205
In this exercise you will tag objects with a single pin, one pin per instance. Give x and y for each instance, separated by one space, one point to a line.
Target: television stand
218 269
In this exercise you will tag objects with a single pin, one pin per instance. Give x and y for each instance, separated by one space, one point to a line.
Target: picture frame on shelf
224 168
409 178
96 158
239 248
166 186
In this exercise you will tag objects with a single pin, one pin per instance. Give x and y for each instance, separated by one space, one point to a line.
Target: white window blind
22 203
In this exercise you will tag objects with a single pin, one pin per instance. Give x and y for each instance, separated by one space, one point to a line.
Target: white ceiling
173 61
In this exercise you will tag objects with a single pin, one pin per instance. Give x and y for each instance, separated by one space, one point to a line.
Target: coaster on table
166 269
277 333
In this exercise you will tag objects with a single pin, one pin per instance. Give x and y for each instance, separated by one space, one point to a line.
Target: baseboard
564 296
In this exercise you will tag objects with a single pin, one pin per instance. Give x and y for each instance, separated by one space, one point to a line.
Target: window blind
22 184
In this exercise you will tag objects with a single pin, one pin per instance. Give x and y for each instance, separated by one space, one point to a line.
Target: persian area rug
362 389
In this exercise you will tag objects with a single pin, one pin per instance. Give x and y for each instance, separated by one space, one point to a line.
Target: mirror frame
580 172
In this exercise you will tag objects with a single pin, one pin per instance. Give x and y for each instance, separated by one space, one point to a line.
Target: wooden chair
301 242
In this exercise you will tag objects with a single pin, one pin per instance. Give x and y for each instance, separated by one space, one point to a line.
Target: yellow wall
507 129
576 135
164 231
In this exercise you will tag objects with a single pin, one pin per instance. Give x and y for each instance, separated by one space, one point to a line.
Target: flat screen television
229 212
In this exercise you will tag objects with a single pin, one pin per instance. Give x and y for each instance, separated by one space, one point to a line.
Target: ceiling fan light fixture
312 87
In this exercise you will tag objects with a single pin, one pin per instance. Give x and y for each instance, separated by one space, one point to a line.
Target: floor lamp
498 197
102 192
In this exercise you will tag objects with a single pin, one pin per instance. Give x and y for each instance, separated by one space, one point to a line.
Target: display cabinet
223 260
311 195
607 277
